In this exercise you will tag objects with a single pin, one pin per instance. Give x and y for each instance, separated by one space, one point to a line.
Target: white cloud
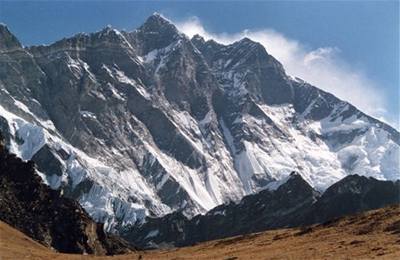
322 67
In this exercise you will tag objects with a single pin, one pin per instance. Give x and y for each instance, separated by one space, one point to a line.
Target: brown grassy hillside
375 234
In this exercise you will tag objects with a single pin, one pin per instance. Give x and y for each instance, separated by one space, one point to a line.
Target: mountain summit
7 39
148 122
156 33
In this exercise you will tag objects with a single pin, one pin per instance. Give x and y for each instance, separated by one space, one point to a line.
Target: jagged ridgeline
45 215
148 122
294 203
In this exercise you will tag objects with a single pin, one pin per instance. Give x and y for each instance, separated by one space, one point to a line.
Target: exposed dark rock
351 195
45 215
47 162
7 39
293 204
265 210
156 33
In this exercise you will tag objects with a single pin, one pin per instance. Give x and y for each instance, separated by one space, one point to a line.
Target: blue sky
354 45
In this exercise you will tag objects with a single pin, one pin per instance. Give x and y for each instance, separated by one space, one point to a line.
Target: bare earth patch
375 234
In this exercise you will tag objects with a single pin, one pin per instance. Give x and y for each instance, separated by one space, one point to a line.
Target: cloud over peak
322 67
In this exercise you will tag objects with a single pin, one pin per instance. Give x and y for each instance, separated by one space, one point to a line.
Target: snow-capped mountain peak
146 122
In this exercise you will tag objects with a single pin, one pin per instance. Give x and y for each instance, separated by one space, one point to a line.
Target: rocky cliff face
143 123
294 203
351 195
45 215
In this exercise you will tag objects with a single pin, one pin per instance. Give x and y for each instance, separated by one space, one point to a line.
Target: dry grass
375 234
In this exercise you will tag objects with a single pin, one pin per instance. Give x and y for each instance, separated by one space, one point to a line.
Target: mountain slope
294 203
45 215
373 234
144 123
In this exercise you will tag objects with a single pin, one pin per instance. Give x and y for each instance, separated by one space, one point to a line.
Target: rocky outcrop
7 39
30 206
351 195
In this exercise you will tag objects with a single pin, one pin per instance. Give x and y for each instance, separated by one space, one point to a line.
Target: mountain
45 215
294 203
373 234
149 122
351 195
